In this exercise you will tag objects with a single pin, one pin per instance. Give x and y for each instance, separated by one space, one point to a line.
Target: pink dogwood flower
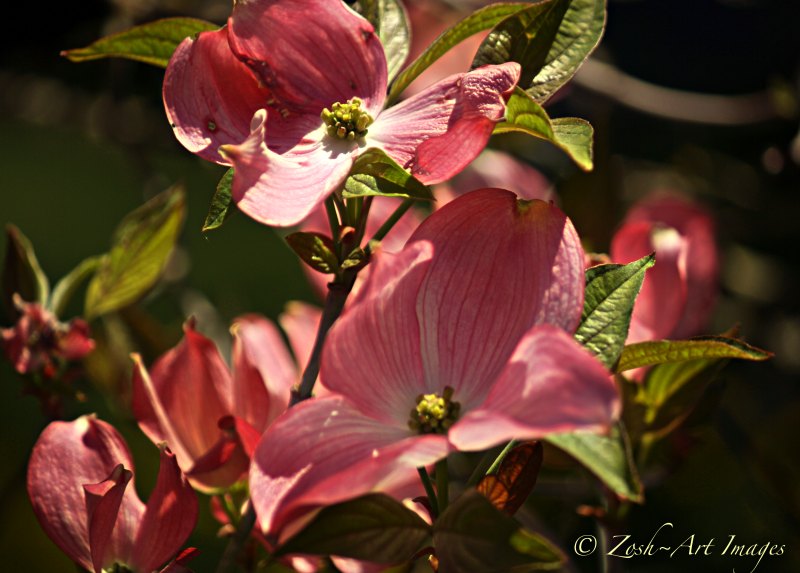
459 342
678 294
291 91
80 483
40 343
212 417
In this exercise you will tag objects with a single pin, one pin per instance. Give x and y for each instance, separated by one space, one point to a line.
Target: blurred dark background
81 145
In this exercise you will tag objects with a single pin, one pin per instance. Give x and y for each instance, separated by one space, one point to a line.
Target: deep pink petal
372 353
550 384
438 132
310 53
300 322
209 95
76 342
281 188
191 391
325 451
263 371
179 565
226 461
500 266
169 519
103 501
67 456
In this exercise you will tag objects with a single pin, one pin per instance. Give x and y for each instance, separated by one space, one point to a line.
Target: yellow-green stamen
434 414
346 120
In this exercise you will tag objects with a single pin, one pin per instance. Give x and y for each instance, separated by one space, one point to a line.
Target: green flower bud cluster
347 120
434 414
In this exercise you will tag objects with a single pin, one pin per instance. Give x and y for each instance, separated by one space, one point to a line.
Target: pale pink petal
169 519
310 53
67 456
263 371
103 501
282 188
372 353
500 267
209 95
325 451
551 384
300 322
438 132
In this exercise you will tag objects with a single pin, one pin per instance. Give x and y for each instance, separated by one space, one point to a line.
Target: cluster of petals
210 416
250 96
80 483
678 293
40 343
483 299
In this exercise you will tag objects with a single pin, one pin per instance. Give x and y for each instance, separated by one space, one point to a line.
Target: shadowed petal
500 267
551 384
438 132
324 451
169 519
66 456
103 501
179 565
300 322
310 53
209 95
283 188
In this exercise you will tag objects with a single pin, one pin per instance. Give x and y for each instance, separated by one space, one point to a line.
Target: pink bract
80 483
212 417
484 300
678 294
250 96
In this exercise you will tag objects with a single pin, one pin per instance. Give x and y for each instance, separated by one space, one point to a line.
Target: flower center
347 120
434 414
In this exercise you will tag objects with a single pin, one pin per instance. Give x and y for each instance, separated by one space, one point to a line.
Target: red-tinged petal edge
103 501
310 53
169 519
226 462
438 132
179 565
550 384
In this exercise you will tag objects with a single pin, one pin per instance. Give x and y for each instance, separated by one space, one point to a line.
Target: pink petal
76 343
263 371
500 266
209 95
300 322
551 384
282 188
103 501
179 565
310 53
169 519
325 451
372 353
67 456
225 462
438 132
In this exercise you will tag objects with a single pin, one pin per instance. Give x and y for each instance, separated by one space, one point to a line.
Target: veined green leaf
607 456
316 250
219 209
373 528
22 273
549 39
611 291
667 351
478 21
151 43
375 173
140 249
391 24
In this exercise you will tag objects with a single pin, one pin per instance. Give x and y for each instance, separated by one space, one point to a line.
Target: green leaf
316 250
219 210
478 21
668 351
473 535
549 39
22 273
66 287
610 293
141 246
151 43
607 456
375 173
373 528
571 135
390 21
